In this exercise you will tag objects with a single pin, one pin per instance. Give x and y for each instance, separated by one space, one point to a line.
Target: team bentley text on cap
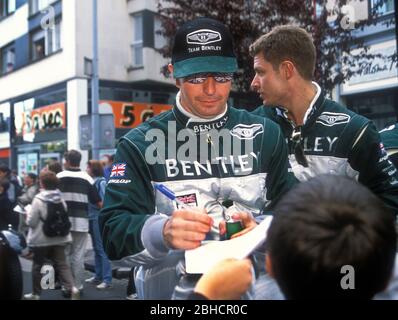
203 45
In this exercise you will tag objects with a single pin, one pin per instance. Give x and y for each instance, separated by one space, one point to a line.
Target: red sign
5 153
43 119
131 114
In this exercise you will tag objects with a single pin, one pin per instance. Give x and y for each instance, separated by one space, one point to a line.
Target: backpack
57 223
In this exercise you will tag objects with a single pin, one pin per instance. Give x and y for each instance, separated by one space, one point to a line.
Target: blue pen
169 194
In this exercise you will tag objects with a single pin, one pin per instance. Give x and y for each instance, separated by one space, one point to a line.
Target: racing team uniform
135 213
389 137
336 140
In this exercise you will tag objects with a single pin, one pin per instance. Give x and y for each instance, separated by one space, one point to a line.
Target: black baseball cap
203 45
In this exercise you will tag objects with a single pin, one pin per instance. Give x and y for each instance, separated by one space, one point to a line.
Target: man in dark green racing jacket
323 136
389 137
215 159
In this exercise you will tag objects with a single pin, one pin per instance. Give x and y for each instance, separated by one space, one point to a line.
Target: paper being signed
202 259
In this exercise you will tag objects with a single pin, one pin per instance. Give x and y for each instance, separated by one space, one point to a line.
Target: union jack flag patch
188 199
118 170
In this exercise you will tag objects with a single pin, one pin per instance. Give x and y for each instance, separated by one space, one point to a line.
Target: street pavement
90 292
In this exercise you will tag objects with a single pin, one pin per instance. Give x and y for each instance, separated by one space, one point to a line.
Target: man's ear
170 67
287 69
268 265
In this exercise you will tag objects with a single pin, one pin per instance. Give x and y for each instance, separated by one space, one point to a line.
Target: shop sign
29 122
381 67
131 114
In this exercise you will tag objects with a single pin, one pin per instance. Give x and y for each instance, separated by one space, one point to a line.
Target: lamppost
396 22
95 87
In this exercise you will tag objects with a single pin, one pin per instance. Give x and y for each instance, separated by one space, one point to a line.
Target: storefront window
128 95
28 163
379 107
51 147
130 107
40 130
117 94
52 151
382 7
4 125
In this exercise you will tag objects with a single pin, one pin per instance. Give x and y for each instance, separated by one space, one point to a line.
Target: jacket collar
314 110
50 195
199 125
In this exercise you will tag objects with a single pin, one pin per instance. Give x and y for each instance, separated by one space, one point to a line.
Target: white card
202 259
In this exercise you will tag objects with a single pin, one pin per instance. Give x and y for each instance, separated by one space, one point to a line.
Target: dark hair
49 180
32 175
5 184
73 157
4 168
324 224
287 43
55 167
96 168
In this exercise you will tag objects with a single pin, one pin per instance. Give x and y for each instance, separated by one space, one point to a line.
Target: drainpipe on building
95 120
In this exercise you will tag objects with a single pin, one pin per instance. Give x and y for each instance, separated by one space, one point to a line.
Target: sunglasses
298 148
199 78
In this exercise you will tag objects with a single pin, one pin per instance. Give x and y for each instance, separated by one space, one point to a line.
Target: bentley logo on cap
203 36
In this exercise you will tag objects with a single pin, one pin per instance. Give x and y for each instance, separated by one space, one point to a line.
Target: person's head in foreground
322 225
203 63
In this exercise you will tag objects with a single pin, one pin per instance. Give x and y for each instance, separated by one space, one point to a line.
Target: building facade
373 92
45 83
